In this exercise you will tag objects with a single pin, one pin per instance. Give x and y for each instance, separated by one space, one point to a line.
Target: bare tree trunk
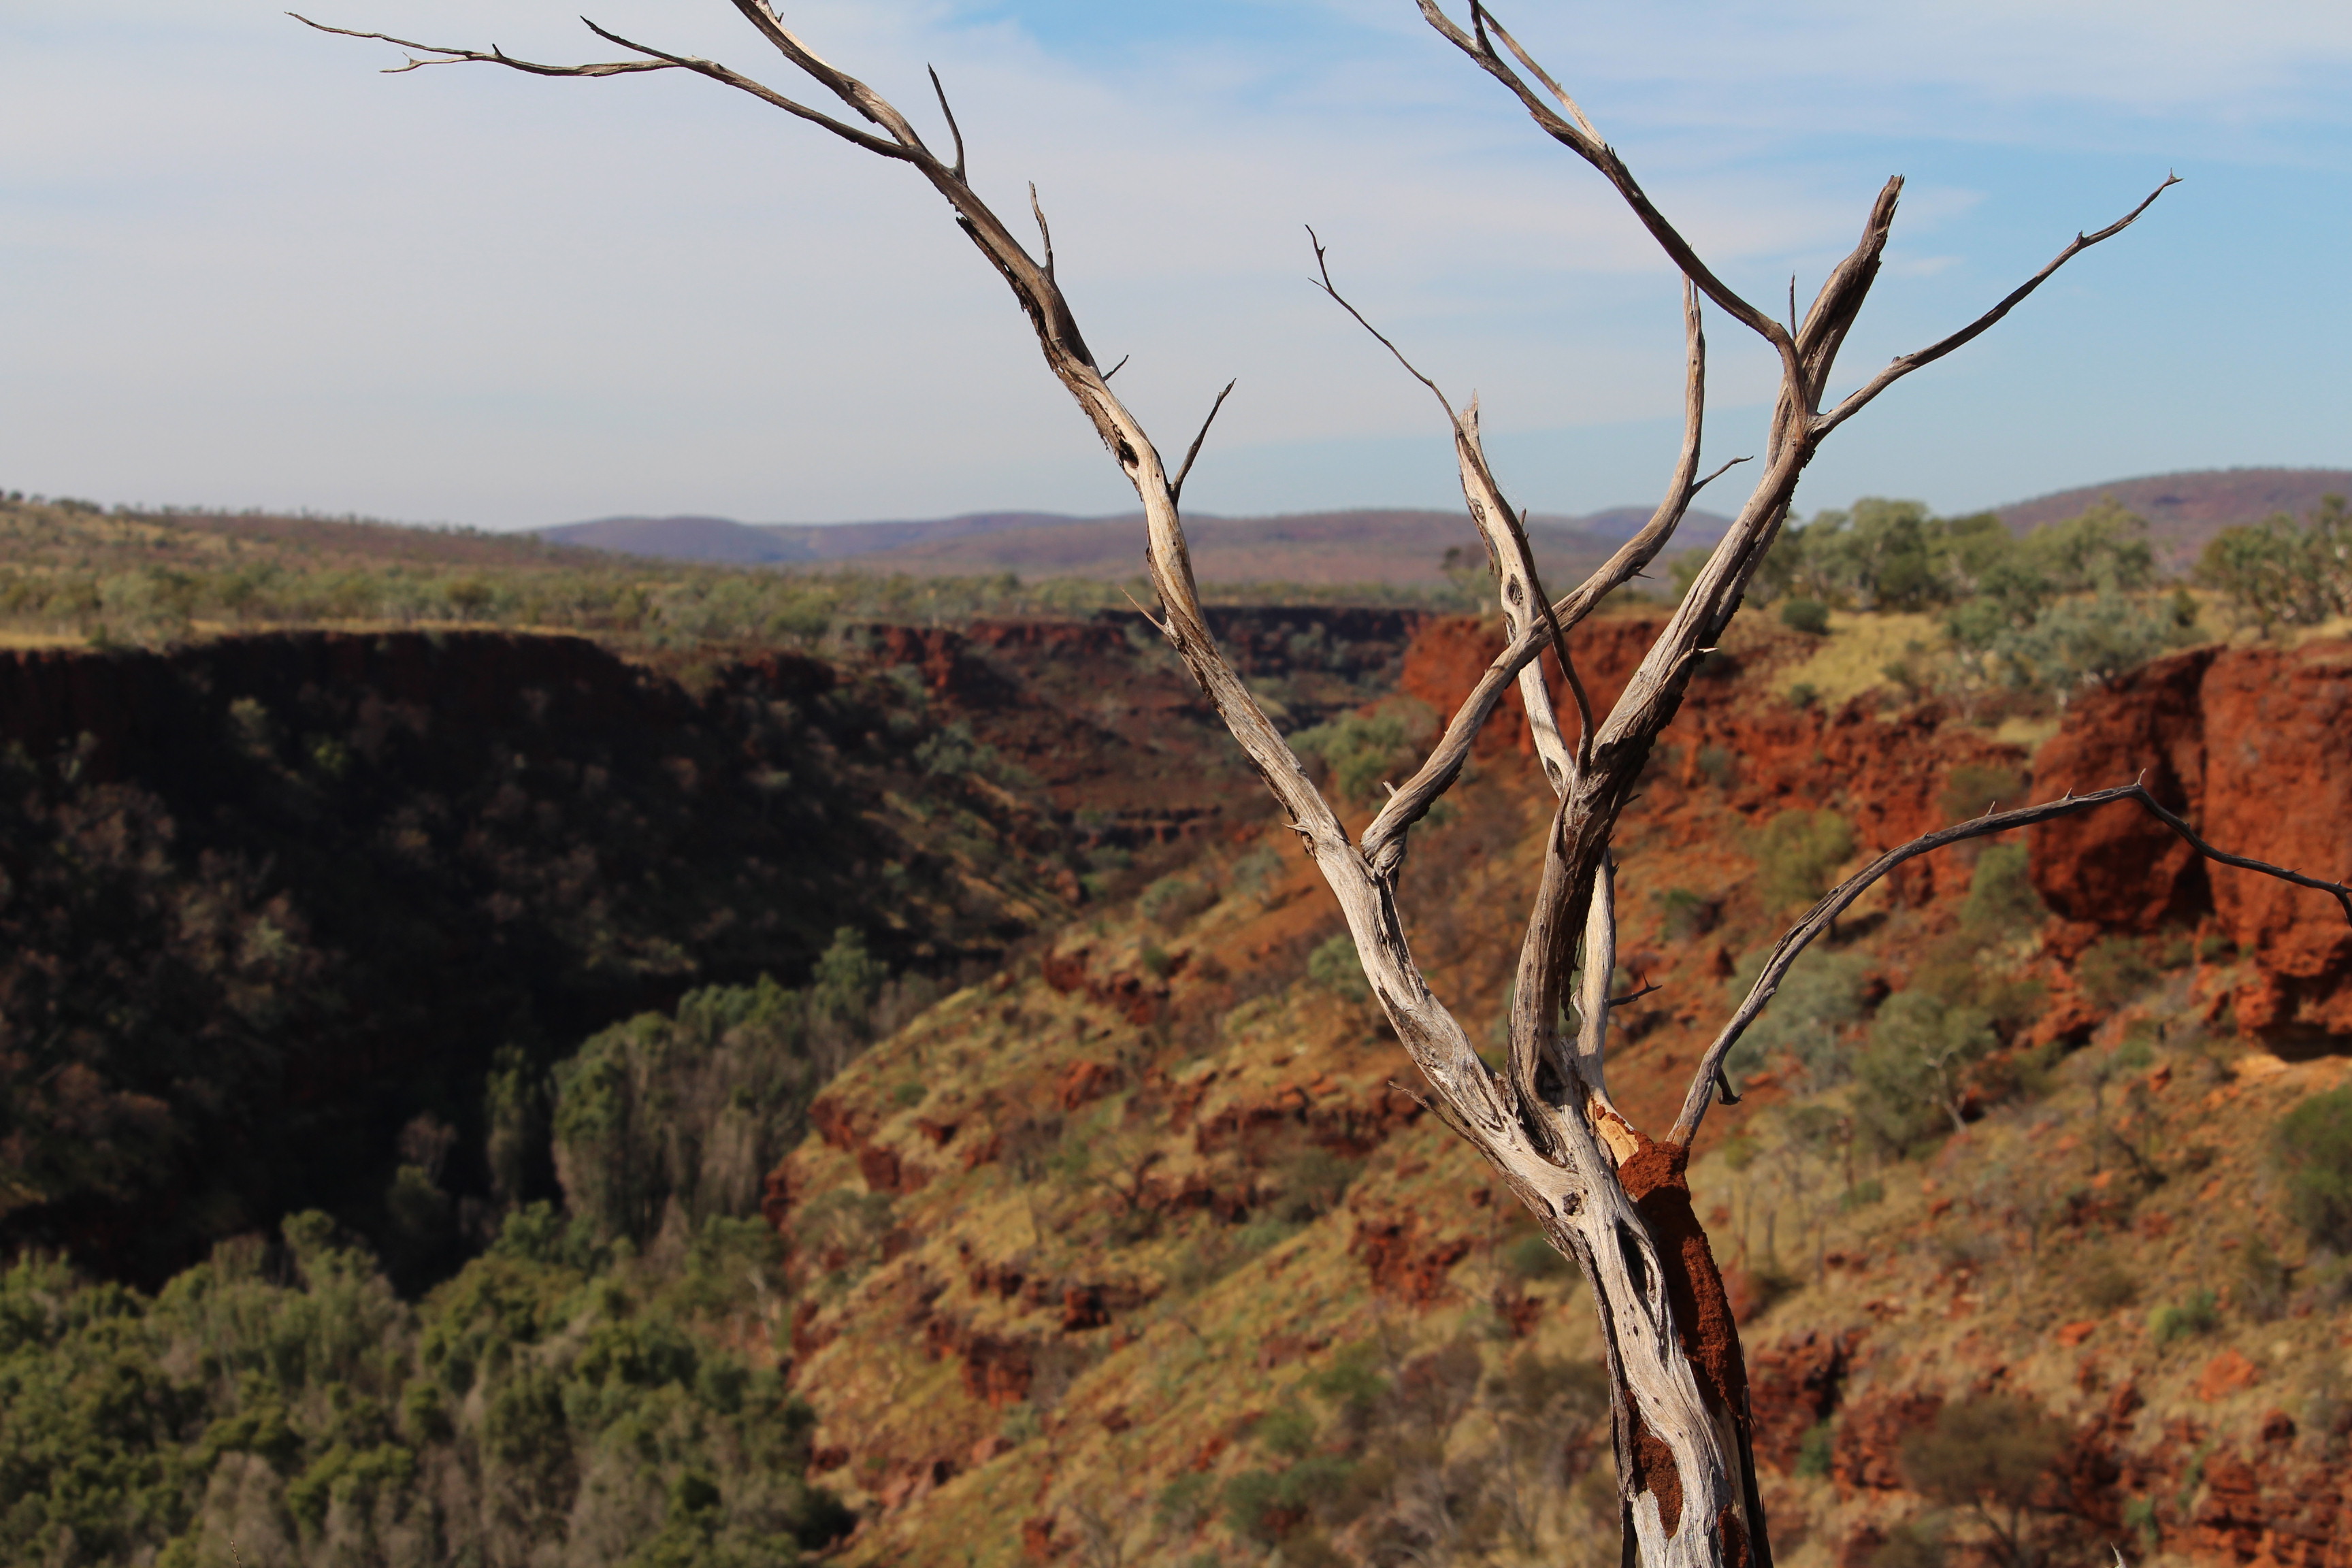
1606 1193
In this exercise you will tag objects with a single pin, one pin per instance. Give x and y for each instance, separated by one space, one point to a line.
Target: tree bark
1602 1191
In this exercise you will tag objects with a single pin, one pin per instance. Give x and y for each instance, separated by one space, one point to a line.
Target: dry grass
1854 658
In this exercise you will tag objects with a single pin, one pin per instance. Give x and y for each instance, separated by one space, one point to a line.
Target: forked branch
1818 919
1904 364
1580 137
441 56
655 60
1517 585
1383 840
1176 485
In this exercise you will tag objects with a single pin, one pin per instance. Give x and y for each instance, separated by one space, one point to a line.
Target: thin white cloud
239 265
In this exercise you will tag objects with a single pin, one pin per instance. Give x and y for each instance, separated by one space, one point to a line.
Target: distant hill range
1327 547
2185 509
1399 547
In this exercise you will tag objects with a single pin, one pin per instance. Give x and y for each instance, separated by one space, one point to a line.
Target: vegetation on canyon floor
935 1230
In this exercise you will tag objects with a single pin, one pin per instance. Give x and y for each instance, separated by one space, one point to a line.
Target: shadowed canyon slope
1126 1239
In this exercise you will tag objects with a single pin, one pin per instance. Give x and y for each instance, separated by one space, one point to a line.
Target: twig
954 130
1473 455
1904 364
1176 485
1818 919
1043 232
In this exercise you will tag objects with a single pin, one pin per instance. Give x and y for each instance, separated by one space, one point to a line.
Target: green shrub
1796 853
2312 1147
1535 1258
1821 994
2114 971
1362 748
2200 1314
1914 1069
1719 765
2001 898
693 1108
1815 1452
1994 1454
121 1418
1973 788
1255 873
1269 1506
2263 1281
1351 1384
1288 1431
952 751
1995 1447
1913 1544
1311 1183
1183 1502
1170 901
2281 571
1255 1507
1808 615
1685 914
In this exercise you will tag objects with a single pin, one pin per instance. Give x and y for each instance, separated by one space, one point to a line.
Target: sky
240 266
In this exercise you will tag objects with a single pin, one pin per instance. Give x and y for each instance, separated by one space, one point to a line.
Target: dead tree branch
1176 485
1842 897
1509 557
1904 365
1547 1125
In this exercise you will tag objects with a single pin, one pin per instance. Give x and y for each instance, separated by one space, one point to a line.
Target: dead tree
1605 1191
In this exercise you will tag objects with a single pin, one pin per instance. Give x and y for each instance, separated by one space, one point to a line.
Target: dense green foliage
1360 750
2280 572
669 1120
566 1398
279 1404
1444 1447
1797 854
302 926
1920 1057
2054 610
1337 967
2313 1149
1995 1456
1894 556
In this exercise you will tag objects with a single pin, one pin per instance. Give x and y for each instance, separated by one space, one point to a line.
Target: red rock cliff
1888 773
2254 747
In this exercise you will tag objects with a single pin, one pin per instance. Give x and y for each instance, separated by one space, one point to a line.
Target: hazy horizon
242 267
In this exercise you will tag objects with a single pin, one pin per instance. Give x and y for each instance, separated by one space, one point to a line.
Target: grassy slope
1967 1273
72 574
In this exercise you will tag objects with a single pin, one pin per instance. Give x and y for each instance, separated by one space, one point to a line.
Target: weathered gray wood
1684 1474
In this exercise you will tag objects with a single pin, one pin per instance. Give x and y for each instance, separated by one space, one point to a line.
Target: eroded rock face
2253 746
1888 773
